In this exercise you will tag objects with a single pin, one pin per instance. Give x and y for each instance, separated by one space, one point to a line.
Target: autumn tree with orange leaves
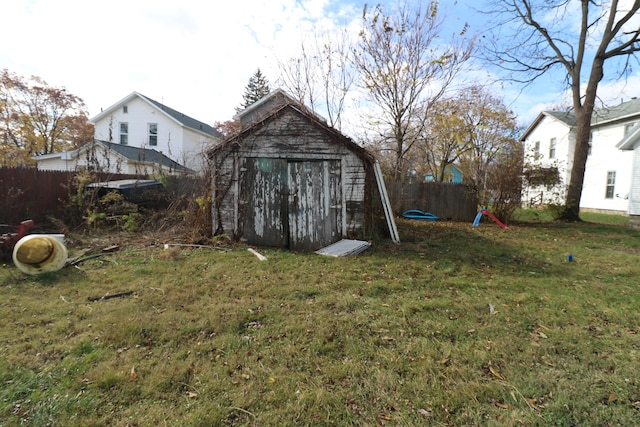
37 119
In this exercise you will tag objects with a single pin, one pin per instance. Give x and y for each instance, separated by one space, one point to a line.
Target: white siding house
140 122
550 142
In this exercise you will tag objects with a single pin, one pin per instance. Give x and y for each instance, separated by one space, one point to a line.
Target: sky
197 56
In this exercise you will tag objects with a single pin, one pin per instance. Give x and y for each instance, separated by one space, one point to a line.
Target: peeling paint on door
296 204
315 210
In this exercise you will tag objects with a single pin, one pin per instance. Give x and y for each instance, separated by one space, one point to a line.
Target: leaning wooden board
386 205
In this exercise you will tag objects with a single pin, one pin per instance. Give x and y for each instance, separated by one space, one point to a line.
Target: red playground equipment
476 221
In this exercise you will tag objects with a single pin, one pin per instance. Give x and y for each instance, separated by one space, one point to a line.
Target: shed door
315 203
263 202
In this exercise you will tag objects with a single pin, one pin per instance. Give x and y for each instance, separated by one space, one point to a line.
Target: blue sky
197 56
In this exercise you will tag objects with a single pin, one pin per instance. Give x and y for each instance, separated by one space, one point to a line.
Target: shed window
611 184
552 148
124 133
153 134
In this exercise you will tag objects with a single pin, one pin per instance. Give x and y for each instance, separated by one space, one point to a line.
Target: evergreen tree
257 88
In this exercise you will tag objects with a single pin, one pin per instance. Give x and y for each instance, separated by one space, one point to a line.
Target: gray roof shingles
602 115
187 121
138 154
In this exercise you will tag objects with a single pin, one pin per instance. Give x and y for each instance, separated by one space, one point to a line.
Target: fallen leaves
425 412
133 375
495 373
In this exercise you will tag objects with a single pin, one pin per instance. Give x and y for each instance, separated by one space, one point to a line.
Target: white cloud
195 56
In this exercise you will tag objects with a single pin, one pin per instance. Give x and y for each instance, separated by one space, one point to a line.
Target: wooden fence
454 202
29 193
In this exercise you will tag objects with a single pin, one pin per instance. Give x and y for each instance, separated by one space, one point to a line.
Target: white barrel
40 253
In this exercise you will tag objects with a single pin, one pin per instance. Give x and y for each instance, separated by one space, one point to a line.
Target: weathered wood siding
289 183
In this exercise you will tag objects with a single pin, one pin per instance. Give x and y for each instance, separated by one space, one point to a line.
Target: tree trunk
580 155
584 113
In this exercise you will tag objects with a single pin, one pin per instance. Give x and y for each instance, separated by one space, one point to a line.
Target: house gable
139 121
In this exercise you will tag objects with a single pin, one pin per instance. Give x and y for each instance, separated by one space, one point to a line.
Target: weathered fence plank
29 193
454 202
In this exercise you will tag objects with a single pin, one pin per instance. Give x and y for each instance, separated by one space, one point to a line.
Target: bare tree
405 68
536 36
321 77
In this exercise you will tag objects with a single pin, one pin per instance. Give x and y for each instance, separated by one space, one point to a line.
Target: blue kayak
419 215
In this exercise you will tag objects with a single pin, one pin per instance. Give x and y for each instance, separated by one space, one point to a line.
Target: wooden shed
289 180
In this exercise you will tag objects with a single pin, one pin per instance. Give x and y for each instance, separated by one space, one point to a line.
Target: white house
142 122
631 142
550 142
106 156
139 121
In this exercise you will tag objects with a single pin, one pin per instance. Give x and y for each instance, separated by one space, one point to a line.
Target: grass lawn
456 325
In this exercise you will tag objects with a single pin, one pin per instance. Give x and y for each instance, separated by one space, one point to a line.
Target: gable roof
600 117
274 100
132 154
565 117
270 97
310 116
618 112
145 155
175 115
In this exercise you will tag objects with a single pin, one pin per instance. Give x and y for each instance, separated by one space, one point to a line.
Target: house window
153 134
552 148
590 142
124 133
536 147
125 109
611 183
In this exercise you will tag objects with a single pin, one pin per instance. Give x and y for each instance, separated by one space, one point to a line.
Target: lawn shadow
463 244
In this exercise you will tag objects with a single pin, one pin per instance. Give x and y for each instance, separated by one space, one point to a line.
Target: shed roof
310 116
